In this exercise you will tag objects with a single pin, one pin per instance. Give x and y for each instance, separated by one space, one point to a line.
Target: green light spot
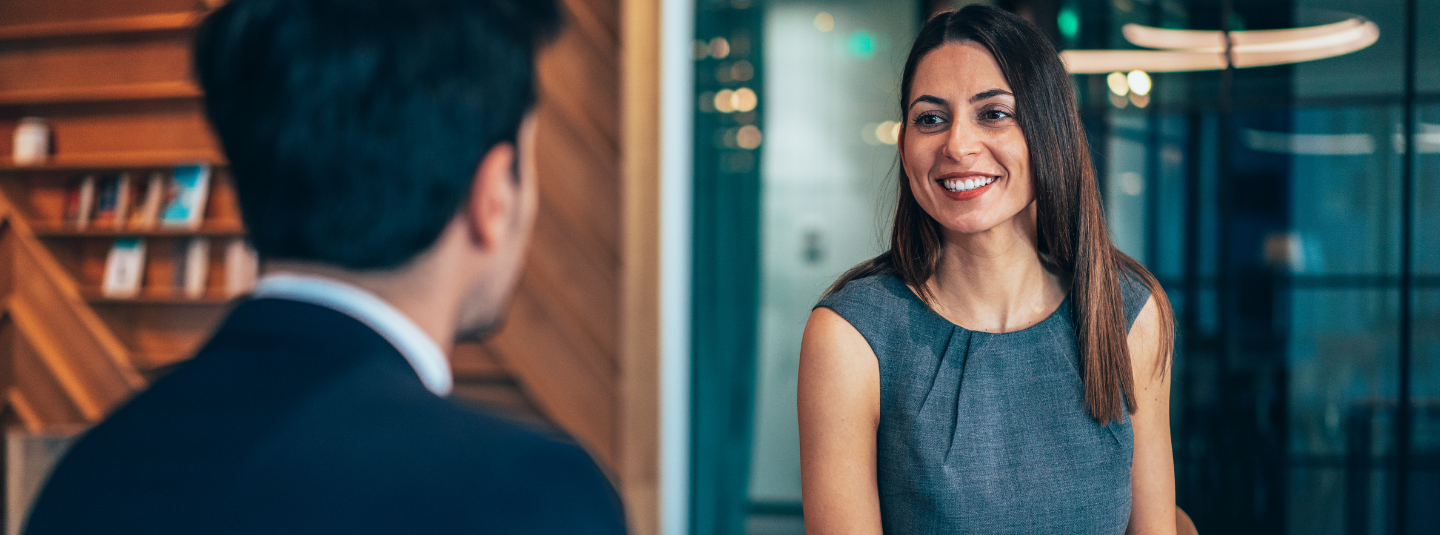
1068 22
862 44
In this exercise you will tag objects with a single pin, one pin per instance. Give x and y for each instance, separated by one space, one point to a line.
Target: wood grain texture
95 63
562 337
100 93
81 12
100 26
67 367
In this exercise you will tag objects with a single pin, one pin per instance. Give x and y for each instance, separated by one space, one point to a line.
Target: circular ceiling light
1200 50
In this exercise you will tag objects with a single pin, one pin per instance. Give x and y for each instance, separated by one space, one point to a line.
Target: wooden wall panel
93 61
42 11
37 398
562 339
177 126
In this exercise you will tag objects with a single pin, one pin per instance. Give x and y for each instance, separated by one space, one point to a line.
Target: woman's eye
994 115
928 119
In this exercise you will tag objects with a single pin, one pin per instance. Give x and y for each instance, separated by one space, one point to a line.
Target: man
382 155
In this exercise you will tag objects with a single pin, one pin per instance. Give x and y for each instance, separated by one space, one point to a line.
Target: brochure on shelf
80 201
189 191
112 201
124 269
147 210
192 267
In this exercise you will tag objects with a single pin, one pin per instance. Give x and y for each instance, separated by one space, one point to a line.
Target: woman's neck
994 281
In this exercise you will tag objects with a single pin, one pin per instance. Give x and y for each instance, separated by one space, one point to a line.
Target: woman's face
968 164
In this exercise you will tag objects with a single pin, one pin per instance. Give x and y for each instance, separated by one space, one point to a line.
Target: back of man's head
354 127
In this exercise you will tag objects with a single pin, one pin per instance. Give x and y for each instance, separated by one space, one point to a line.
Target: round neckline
915 299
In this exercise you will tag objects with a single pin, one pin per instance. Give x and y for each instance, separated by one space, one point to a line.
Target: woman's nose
962 142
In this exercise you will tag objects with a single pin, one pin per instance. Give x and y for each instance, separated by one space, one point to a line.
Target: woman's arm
839 409
1152 470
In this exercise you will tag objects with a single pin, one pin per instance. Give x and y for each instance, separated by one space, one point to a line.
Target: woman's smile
966 186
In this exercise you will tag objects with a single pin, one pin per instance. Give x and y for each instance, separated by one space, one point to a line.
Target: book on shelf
124 269
189 190
112 201
79 201
192 267
241 267
147 209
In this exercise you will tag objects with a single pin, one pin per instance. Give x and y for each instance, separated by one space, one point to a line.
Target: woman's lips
967 186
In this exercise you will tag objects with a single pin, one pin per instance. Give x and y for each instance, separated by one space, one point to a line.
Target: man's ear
494 196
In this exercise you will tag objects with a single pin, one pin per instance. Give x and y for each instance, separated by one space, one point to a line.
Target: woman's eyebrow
987 94
930 99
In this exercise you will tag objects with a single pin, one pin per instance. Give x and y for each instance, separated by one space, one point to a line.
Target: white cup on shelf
32 141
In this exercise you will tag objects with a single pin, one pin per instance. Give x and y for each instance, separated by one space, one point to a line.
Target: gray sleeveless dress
984 432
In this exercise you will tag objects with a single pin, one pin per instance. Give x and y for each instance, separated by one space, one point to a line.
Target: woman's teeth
958 185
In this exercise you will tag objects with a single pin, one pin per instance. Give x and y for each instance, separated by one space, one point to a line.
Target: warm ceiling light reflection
1139 82
1198 50
888 132
748 137
1118 84
824 22
731 101
745 99
719 48
742 71
725 101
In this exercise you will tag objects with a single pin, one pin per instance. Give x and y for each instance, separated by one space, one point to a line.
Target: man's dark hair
354 127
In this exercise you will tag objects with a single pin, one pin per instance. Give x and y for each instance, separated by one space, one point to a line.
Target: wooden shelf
95 296
100 93
104 161
63 230
158 22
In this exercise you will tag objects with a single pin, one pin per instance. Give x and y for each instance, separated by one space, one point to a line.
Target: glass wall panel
1342 366
1427 45
1424 478
1344 199
1426 194
1424 491
1425 376
828 179
1382 64
1268 201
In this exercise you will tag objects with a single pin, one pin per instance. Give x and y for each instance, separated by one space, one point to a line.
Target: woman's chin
968 226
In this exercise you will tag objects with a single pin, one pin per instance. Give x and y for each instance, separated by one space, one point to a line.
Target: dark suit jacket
298 419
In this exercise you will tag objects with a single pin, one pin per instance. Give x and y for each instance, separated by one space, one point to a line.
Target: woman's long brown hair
1071 225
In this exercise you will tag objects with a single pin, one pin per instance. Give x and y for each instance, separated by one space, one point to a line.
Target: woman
1002 368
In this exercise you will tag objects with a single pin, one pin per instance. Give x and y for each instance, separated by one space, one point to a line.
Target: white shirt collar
417 347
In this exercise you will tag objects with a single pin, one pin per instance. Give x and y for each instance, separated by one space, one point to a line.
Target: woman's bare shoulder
1147 357
828 332
833 352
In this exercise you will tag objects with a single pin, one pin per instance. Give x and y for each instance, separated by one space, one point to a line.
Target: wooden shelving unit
63 230
105 93
106 161
118 97
159 22
95 296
